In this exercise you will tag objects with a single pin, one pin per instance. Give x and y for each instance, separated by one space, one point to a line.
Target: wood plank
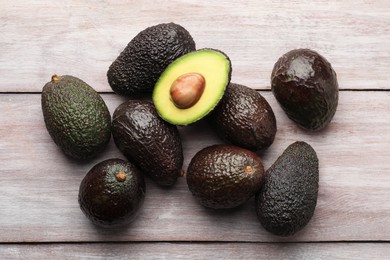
191 251
82 38
39 186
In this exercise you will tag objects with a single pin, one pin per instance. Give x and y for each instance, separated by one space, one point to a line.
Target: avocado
138 67
191 86
111 193
305 85
75 116
244 118
148 141
224 176
286 202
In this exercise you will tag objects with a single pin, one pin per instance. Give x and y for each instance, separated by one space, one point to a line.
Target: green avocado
224 176
75 116
148 141
244 118
138 67
305 85
192 85
111 193
286 202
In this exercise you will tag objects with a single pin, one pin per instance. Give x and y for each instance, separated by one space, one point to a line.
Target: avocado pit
187 89
192 86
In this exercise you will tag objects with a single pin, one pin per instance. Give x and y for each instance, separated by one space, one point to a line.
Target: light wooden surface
82 38
190 251
40 216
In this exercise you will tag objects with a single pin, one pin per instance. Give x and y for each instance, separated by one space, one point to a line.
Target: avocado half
192 85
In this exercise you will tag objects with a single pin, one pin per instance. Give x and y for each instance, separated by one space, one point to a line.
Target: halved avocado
191 86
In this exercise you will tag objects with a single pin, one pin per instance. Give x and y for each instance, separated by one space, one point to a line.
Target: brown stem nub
55 78
248 169
120 176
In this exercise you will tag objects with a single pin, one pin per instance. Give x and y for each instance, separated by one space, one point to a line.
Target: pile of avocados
182 85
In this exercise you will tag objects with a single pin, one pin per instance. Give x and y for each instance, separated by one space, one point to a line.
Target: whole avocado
305 85
244 118
75 116
111 193
138 67
224 176
148 141
286 202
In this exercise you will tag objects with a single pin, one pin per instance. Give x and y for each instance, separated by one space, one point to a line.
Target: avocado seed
187 89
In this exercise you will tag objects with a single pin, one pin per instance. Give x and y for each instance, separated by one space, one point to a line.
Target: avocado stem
120 176
55 78
248 169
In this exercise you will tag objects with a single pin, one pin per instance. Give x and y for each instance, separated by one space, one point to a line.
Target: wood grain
192 251
39 214
82 38
39 185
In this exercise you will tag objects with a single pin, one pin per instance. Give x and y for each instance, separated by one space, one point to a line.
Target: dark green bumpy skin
139 66
244 118
76 117
108 202
148 141
286 202
224 176
305 85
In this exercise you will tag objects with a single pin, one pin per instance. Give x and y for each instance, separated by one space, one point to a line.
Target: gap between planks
147 95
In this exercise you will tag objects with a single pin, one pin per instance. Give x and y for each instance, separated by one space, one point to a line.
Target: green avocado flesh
213 65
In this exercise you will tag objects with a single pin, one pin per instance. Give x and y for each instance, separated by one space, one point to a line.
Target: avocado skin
108 202
76 117
148 141
171 116
138 67
286 202
217 179
244 118
305 85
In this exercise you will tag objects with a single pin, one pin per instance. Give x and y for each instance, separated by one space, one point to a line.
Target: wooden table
40 216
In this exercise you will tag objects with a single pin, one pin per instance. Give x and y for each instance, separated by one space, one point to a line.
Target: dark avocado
139 65
148 141
244 118
286 202
224 176
191 86
76 116
111 193
305 85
